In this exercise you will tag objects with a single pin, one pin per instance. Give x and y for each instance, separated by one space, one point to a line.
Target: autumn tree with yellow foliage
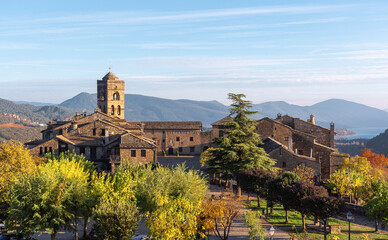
353 179
15 160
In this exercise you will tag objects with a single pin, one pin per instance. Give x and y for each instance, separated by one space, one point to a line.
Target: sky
301 52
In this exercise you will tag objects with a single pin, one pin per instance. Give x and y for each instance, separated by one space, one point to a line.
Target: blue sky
301 52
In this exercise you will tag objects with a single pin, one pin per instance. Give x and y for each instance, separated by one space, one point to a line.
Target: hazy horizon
300 52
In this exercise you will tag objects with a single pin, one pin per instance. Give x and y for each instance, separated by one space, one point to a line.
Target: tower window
116 96
178 139
118 110
102 132
113 110
191 139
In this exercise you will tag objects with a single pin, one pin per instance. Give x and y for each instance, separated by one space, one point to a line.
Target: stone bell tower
110 95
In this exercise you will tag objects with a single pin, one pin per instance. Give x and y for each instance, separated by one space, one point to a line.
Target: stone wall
287 160
187 142
53 143
133 160
269 128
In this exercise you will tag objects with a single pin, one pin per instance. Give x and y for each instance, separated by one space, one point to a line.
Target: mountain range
344 114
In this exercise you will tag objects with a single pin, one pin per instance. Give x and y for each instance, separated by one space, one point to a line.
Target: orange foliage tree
378 161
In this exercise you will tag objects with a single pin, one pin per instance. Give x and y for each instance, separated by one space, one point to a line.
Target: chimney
312 119
74 125
332 133
142 128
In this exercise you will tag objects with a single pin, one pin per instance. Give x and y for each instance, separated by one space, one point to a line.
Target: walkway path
239 230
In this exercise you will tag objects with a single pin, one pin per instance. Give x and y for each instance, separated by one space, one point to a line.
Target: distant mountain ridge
344 114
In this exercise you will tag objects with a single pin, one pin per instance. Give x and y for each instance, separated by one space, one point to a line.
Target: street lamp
349 216
271 232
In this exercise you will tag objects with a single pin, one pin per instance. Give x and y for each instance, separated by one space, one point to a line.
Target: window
164 140
180 149
51 149
102 132
133 153
178 139
113 110
300 152
116 96
118 110
41 150
284 164
94 132
82 150
45 149
191 139
280 151
220 133
285 138
143 153
192 149
93 153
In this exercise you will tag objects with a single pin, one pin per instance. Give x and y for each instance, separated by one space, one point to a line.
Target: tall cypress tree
239 148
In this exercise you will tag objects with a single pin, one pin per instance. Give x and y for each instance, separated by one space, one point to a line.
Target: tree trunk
220 180
53 235
315 221
238 190
214 178
85 227
76 230
258 200
286 215
376 225
325 230
304 222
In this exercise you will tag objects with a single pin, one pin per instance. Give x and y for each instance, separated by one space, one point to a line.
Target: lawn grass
277 218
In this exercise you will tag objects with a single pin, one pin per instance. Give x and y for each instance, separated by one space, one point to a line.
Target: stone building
106 137
293 141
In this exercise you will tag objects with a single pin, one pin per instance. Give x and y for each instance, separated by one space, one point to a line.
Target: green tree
117 219
323 207
47 198
378 205
297 192
171 198
255 181
239 148
276 190
89 199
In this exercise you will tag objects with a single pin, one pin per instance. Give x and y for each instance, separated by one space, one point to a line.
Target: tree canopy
239 148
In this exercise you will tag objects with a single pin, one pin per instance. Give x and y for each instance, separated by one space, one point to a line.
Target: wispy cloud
18 46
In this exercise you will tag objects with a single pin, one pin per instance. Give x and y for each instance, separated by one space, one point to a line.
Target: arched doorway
170 151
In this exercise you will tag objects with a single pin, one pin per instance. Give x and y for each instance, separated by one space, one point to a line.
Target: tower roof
110 76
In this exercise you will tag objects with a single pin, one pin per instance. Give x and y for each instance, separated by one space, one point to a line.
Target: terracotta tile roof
136 142
172 125
110 76
222 121
62 138
271 144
